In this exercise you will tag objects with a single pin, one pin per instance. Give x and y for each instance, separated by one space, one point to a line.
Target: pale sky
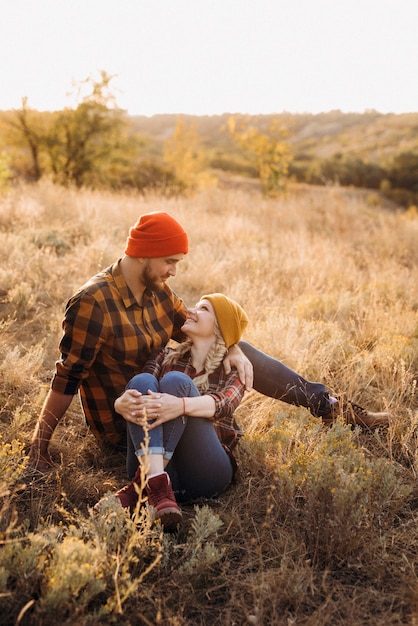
208 57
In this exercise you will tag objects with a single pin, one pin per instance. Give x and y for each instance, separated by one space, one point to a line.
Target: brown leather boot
163 502
356 415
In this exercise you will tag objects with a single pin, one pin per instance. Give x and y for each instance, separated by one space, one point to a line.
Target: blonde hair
213 359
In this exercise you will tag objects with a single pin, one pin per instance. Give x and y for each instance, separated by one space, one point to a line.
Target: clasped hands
149 410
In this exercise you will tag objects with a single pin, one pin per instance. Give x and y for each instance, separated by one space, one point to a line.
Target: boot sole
363 424
169 518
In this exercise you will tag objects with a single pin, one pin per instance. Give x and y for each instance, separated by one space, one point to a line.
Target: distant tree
82 140
148 176
403 171
5 172
269 151
346 169
183 155
29 132
77 143
401 181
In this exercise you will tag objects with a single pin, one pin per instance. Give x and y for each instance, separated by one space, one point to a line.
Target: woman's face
200 321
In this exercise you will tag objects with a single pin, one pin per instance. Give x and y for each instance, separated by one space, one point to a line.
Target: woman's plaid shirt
107 339
226 390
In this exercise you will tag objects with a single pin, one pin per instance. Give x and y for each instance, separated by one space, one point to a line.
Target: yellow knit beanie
231 317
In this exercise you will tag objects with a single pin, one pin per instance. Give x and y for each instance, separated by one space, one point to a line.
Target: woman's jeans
198 464
272 378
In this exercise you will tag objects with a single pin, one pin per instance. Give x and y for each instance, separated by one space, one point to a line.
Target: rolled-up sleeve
84 334
228 398
227 393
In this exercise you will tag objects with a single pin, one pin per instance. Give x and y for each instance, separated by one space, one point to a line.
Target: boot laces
129 488
358 410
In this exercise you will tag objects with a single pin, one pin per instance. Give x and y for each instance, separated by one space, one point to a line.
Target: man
120 316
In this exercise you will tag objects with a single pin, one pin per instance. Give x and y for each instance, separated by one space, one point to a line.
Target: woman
184 403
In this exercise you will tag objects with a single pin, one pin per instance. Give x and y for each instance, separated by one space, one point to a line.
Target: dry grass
322 526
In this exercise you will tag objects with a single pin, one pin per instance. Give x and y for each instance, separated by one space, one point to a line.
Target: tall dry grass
321 527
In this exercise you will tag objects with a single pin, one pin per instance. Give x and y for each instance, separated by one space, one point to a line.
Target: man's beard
150 282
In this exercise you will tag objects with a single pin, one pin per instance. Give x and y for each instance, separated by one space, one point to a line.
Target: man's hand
128 405
237 358
39 459
53 409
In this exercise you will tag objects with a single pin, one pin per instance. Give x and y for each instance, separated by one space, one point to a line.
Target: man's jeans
274 379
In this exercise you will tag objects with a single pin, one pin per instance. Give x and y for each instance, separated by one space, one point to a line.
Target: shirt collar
125 292
120 282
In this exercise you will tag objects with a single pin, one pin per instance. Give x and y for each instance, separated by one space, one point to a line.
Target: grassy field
321 527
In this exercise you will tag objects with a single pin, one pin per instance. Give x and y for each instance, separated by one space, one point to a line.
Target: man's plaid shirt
226 390
107 339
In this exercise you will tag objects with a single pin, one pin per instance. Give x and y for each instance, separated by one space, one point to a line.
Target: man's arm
235 357
53 410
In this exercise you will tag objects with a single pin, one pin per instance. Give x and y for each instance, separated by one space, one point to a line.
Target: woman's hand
161 407
155 407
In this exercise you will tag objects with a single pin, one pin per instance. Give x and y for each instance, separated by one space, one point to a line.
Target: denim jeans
274 379
198 464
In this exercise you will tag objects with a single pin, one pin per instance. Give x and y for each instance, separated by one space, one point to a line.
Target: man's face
156 271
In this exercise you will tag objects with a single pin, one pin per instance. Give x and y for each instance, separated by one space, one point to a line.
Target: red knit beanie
156 235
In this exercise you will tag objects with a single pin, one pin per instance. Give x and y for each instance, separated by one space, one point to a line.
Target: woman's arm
199 406
163 407
218 403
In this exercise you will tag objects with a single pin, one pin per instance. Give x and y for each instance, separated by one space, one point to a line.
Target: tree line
95 144
397 180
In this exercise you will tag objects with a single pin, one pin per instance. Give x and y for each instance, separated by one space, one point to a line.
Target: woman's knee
178 383
175 376
143 383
